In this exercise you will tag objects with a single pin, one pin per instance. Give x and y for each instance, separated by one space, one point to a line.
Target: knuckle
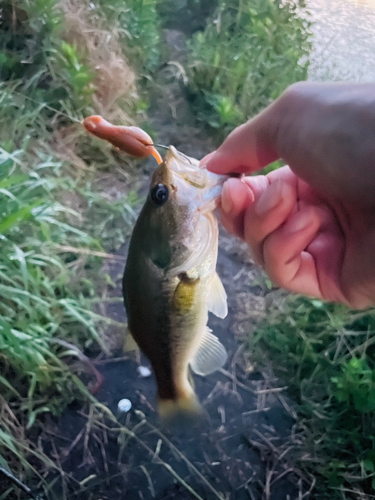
294 91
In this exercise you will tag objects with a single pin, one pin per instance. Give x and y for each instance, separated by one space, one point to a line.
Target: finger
287 262
272 208
249 147
236 197
328 250
230 224
243 151
258 184
206 159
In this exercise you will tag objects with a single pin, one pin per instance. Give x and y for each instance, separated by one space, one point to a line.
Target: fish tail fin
182 411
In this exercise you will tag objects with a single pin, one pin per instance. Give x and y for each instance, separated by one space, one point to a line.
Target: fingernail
269 199
206 160
226 199
298 223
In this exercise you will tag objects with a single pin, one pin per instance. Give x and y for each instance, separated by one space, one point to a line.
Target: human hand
312 224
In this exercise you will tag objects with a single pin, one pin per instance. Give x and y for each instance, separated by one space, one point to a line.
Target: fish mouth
198 185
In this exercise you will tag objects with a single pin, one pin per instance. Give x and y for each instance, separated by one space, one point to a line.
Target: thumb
249 147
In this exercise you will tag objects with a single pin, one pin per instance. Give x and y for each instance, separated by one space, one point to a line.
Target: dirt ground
245 449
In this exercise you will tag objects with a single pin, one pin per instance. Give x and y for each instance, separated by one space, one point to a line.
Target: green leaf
20 215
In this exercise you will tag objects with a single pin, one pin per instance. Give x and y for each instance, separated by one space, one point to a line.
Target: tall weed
39 64
38 303
249 52
139 27
46 294
326 354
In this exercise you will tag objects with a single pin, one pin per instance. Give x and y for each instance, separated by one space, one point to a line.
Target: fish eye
159 194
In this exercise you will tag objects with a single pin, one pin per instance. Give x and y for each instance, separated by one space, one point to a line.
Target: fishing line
76 120
182 154
167 147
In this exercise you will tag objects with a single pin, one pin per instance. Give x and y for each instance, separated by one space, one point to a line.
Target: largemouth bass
170 282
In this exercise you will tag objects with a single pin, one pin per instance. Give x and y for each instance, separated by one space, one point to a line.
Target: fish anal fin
210 356
130 344
217 298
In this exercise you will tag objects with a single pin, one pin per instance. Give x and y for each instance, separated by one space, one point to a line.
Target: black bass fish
170 282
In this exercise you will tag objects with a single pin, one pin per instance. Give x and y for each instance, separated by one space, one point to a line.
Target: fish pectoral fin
217 298
211 354
130 344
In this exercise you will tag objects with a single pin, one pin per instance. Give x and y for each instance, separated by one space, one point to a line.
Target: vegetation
56 215
326 355
139 30
249 52
53 210
39 303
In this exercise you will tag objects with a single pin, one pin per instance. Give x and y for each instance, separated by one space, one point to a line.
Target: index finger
248 148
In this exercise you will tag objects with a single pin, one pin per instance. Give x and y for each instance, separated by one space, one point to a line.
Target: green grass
138 24
54 207
249 52
37 304
54 196
39 64
326 354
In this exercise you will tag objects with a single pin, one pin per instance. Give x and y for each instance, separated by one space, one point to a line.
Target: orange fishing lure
132 140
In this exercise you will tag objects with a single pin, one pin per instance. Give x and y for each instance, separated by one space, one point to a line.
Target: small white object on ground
124 405
144 371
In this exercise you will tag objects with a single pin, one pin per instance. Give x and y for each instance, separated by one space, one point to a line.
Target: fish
170 282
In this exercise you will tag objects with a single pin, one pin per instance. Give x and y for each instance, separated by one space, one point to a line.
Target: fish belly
166 317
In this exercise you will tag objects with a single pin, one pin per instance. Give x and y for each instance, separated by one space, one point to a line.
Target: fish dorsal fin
217 298
130 344
211 354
